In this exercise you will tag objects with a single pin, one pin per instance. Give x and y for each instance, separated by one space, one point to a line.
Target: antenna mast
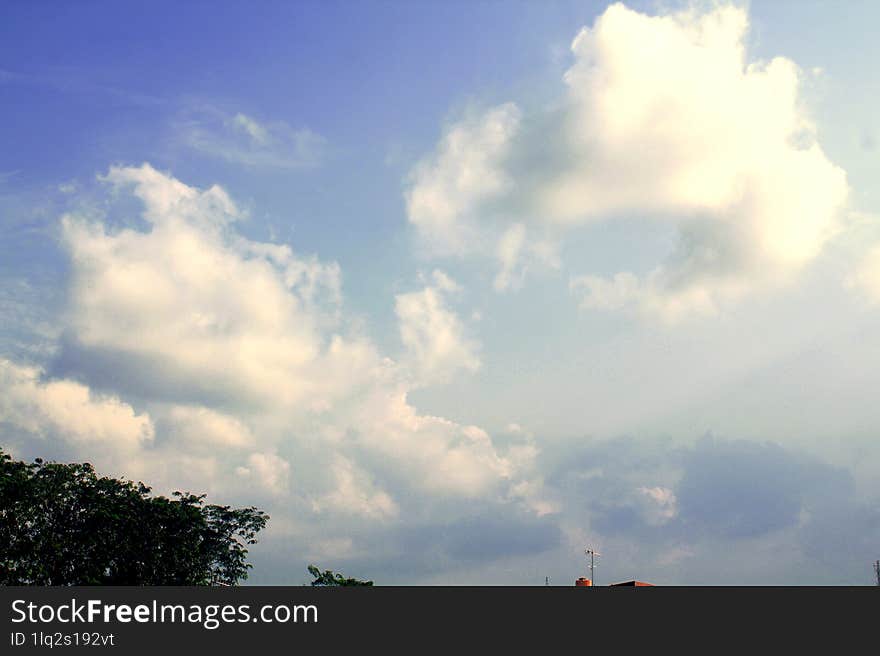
592 553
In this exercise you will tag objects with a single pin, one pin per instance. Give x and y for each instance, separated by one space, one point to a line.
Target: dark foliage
329 577
62 524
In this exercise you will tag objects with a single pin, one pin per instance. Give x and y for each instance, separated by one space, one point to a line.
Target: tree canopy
330 578
62 524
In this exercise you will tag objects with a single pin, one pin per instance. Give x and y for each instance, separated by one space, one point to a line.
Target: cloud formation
192 357
333 449
688 511
245 140
194 304
447 188
663 118
67 410
433 335
252 379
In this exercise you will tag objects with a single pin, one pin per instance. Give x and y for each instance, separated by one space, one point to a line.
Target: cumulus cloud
436 454
195 305
518 251
433 335
68 410
354 494
664 118
248 141
670 512
258 385
267 470
196 425
445 188
662 504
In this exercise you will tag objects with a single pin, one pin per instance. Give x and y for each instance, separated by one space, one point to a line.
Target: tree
330 578
62 524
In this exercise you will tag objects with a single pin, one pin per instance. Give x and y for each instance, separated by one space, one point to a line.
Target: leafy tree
330 578
62 524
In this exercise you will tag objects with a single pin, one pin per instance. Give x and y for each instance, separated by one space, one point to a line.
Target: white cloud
69 410
245 140
433 335
650 296
258 134
464 170
258 386
666 118
432 453
223 314
266 470
168 200
662 504
200 426
509 249
355 494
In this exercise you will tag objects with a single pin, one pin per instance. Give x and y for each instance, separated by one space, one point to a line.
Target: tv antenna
592 553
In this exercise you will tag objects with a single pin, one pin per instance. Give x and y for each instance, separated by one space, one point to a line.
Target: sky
455 290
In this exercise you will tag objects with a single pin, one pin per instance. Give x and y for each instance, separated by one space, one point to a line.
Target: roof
638 584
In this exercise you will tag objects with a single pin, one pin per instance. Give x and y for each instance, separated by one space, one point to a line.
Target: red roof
633 583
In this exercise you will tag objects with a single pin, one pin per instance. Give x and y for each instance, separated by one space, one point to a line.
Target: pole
592 553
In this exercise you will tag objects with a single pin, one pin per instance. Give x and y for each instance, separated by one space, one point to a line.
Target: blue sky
456 289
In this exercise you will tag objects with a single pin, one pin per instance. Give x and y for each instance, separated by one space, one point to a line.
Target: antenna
877 570
592 553
546 580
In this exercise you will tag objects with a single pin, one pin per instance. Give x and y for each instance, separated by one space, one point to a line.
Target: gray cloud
142 377
741 489
714 511
414 551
